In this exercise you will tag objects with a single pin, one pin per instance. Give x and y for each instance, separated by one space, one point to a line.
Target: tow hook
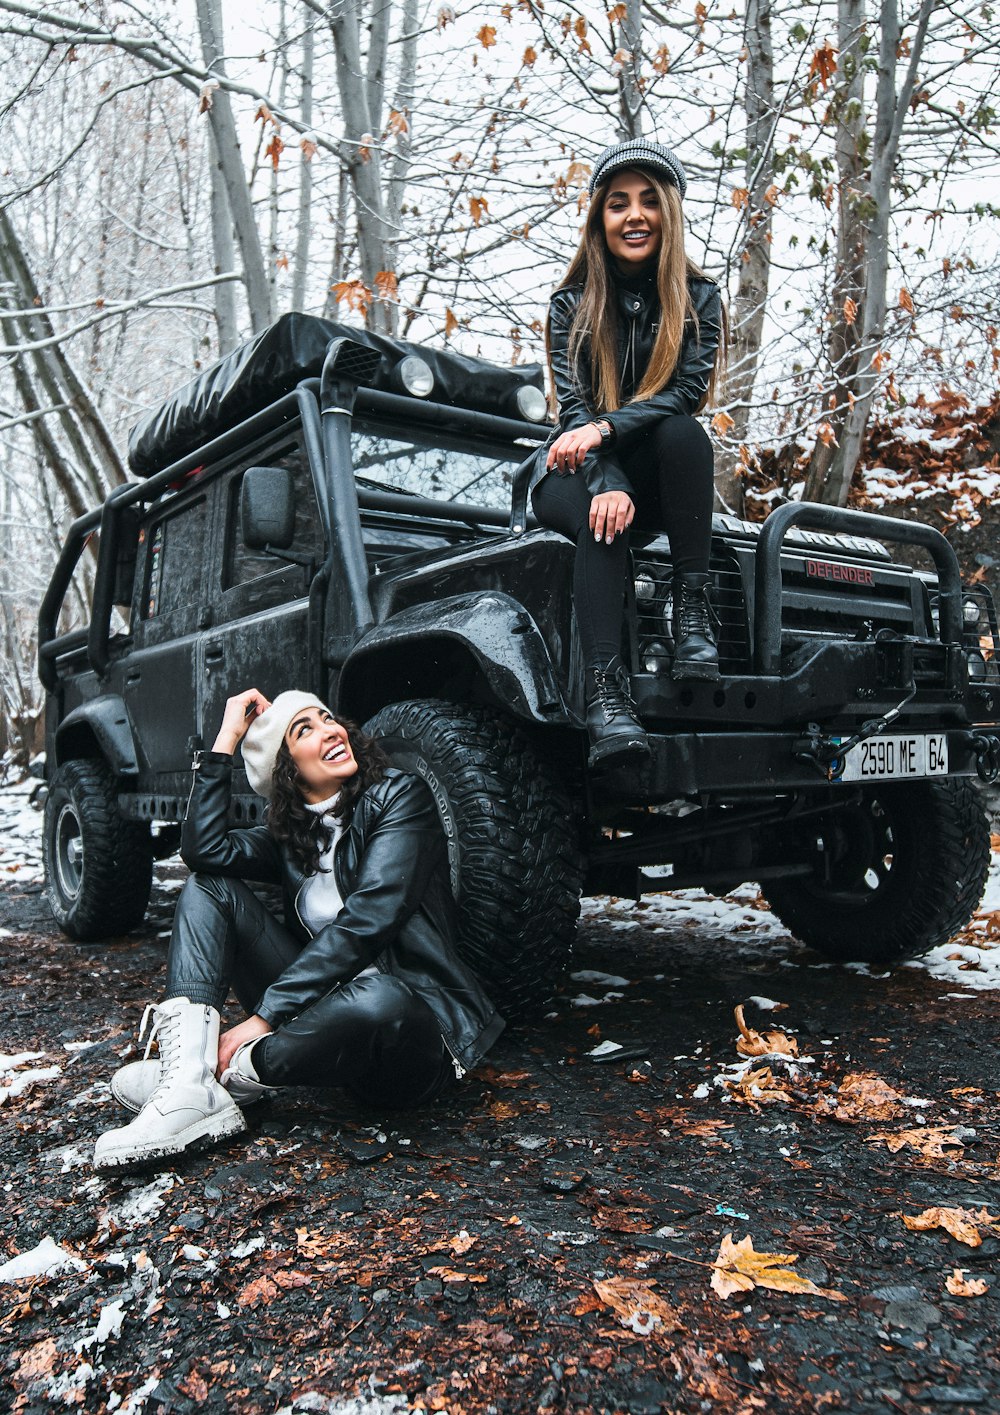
827 754
986 746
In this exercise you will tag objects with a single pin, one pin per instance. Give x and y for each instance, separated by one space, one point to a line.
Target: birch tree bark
230 163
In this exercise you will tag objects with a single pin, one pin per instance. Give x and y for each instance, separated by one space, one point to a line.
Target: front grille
653 610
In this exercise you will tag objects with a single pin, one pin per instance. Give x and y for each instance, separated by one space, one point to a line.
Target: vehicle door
158 676
259 604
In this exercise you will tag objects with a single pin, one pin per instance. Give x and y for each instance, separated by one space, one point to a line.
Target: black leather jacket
391 868
638 321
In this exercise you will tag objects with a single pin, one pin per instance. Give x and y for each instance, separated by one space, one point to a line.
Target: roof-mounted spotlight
414 376
531 403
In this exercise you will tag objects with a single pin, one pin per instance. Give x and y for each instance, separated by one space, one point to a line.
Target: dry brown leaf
462 1242
257 1293
962 1224
864 1096
739 1268
961 1286
194 1387
637 1306
757 1088
751 1043
447 1274
932 1141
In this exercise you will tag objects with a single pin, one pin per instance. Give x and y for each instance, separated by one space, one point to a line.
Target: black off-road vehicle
341 512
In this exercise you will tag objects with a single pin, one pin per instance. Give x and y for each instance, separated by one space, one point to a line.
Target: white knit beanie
266 734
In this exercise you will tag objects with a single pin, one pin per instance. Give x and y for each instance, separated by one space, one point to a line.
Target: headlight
531 403
976 664
971 612
655 657
415 376
645 587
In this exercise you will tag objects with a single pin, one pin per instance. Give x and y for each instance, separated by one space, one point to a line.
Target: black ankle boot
695 653
612 726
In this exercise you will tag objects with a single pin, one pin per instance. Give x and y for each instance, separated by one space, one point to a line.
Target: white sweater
319 900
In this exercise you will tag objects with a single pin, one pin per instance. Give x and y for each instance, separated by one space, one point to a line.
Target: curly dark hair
289 819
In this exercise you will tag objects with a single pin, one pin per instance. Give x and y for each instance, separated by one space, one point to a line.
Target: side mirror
267 508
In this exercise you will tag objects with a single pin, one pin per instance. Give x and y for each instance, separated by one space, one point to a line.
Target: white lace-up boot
188 1104
133 1084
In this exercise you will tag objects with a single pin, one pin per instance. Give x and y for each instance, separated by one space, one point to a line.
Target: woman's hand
240 712
611 513
233 1039
570 448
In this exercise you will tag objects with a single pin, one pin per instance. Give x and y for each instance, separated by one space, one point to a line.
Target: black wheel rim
68 840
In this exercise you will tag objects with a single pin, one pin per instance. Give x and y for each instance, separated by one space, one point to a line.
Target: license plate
896 758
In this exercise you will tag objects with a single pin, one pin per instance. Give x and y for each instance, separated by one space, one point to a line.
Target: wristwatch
607 431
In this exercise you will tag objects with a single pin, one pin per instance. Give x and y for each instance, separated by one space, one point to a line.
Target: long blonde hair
595 325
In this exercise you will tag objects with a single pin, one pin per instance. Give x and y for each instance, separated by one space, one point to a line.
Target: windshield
446 468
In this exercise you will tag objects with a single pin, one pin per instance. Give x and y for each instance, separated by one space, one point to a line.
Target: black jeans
373 1036
671 471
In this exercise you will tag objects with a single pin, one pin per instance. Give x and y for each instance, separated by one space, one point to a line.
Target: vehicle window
444 469
243 564
175 547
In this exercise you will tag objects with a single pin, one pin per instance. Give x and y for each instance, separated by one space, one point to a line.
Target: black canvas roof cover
259 372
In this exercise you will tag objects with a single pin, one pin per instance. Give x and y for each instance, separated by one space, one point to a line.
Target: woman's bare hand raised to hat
240 711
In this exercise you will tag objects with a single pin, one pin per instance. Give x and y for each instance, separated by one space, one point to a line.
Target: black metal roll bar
767 578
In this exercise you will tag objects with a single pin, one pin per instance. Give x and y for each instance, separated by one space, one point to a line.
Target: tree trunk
224 253
227 153
304 227
53 379
359 152
755 251
874 208
630 99
891 110
405 104
847 298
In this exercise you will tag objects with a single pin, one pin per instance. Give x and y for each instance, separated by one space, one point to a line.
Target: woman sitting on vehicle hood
364 990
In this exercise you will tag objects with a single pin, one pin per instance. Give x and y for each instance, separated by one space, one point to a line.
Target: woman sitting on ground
363 989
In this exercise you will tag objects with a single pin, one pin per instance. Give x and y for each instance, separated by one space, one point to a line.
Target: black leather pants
373 1036
670 468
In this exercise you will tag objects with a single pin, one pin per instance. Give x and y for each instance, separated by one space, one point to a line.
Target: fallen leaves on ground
961 1286
862 1095
447 1274
462 1242
963 1224
758 1087
637 1306
739 1268
752 1043
931 1141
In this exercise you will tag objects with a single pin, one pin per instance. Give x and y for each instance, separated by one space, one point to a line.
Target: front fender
100 727
496 634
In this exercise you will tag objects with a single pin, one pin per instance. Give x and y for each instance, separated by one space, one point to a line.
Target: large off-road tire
98 866
513 842
909 868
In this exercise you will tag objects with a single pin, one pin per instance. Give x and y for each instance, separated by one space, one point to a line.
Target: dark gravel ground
333 1261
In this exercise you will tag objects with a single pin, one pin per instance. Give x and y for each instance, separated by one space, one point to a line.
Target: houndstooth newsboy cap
639 152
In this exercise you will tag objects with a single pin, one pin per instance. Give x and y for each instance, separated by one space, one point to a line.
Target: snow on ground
20 835
740 915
